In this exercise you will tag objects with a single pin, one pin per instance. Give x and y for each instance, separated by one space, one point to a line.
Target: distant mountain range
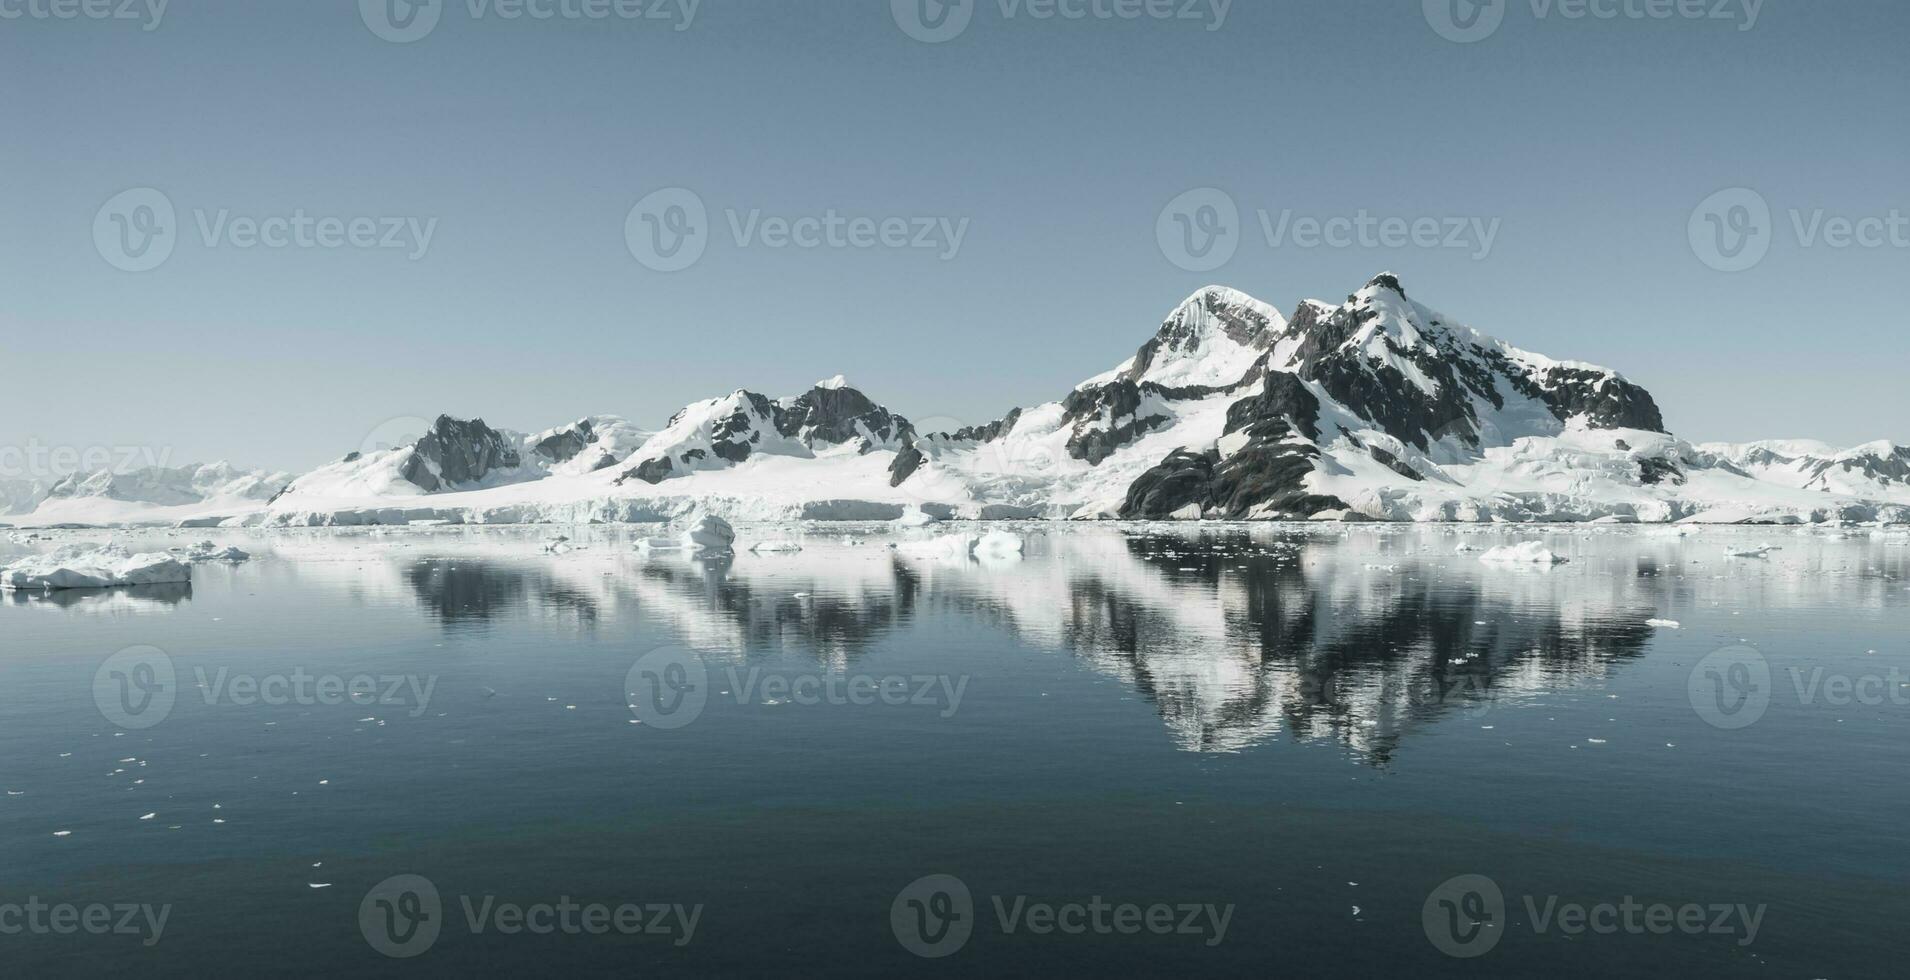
1377 408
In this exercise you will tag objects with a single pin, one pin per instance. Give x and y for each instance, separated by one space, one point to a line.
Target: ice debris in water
709 533
83 567
1758 552
1529 552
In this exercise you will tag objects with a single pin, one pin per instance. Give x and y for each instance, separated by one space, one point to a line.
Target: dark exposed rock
905 464
457 452
650 470
564 445
990 432
1183 478
1104 419
1606 400
1393 463
838 416
1653 469
1281 396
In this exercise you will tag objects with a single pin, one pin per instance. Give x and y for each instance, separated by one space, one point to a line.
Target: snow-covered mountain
1375 408
155 494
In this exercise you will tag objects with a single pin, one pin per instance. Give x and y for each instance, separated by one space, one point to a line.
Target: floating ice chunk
999 544
947 547
1758 552
207 551
82 567
659 544
1670 624
768 546
1464 547
915 518
709 533
1529 553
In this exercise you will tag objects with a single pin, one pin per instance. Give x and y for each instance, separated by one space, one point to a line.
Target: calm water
1304 734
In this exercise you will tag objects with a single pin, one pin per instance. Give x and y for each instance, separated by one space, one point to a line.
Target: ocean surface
1310 750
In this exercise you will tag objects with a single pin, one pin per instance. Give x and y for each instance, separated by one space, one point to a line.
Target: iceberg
83 567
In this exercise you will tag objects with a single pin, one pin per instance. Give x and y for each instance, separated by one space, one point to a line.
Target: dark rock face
650 471
905 464
837 416
1652 470
1265 475
1608 401
990 432
1104 419
566 444
463 452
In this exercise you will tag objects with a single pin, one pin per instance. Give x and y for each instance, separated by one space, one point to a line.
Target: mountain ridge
1377 408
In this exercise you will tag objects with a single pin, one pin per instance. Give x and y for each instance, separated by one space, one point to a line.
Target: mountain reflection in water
1233 635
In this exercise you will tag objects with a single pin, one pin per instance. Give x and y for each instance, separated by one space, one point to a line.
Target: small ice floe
1595 741
1668 624
319 884
1526 553
659 544
771 547
62 833
1464 547
149 816
1760 551
916 517
999 544
206 551
558 545
709 533
84 567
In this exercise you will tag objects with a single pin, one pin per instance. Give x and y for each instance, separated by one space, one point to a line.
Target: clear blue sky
1059 141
